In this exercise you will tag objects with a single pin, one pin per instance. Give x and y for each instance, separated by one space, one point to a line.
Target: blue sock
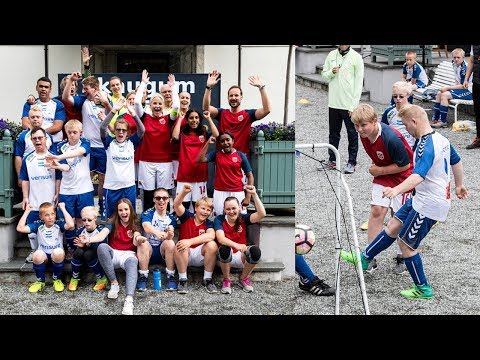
94 264
57 270
303 270
76 266
40 271
414 265
443 113
436 111
69 237
380 243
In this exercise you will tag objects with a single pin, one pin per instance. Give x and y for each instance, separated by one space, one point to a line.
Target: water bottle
157 279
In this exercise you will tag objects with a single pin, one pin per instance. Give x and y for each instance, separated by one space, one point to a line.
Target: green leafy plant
14 128
274 131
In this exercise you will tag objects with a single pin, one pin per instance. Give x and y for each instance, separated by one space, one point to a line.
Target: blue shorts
156 257
461 94
75 203
111 197
415 225
98 160
33 216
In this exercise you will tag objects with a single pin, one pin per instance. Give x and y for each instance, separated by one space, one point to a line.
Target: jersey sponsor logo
201 232
240 117
235 159
380 155
50 247
40 177
122 158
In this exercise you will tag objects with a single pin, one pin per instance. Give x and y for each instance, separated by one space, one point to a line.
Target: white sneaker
113 293
29 258
128 307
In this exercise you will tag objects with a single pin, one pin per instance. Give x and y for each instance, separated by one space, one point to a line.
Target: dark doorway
136 62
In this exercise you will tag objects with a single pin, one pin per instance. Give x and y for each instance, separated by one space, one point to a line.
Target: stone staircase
316 81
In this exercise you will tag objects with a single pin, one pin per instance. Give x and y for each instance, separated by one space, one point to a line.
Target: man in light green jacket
343 69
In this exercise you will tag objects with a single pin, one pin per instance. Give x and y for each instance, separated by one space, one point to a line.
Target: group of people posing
162 148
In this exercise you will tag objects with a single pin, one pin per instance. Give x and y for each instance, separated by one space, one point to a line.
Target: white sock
207 274
143 272
170 272
182 275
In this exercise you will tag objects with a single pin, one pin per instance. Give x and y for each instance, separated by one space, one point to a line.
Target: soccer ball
304 239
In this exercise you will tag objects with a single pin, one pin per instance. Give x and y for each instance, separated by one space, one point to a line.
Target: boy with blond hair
49 232
85 251
457 91
392 163
76 188
196 245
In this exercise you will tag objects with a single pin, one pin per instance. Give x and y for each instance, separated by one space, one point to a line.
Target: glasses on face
88 220
398 96
158 198
38 138
121 130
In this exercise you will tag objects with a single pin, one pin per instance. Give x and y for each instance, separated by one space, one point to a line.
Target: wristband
86 66
261 87
208 87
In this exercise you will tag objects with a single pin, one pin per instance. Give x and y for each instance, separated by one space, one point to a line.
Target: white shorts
175 169
195 257
237 260
120 257
220 196
152 175
395 203
199 189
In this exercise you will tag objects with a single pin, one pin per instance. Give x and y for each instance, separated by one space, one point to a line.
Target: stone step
17 270
316 81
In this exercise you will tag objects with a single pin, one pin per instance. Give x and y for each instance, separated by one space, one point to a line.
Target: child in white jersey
50 243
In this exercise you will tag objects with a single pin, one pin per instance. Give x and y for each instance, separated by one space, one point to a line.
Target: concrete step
316 81
17 270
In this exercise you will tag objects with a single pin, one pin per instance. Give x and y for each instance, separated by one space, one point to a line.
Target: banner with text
191 83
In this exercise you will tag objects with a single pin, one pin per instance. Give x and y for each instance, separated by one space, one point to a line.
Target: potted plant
272 156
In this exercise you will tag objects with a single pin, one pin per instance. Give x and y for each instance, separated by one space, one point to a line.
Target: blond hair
409 111
204 200
458 51
403 86
73 123
35 108
89 210
363 113
44 207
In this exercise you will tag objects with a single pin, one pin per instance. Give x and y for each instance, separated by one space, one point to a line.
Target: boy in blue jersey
430 204
49 231
413 73
457 91
71 162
